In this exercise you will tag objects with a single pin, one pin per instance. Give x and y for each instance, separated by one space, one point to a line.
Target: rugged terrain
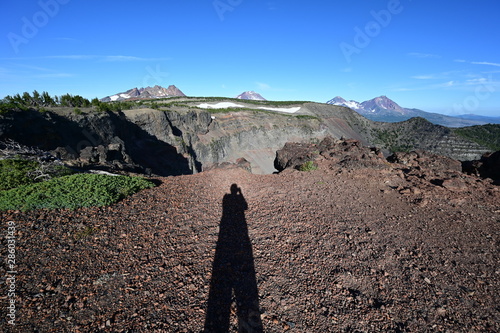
145 93
187 135
358 245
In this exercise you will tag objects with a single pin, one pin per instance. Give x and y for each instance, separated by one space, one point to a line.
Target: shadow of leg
233 270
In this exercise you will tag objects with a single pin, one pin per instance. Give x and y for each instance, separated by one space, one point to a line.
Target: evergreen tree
37 99
27 100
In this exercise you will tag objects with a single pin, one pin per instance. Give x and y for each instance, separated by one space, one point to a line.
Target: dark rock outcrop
336 153
422 160
487 167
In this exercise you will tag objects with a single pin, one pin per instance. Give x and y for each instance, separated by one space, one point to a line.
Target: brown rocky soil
358 245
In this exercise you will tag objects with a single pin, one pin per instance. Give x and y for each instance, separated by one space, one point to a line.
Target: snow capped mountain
384 109
148 92
251 95
342 102
380 106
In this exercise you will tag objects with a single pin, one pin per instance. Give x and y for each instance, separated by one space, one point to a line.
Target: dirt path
330 252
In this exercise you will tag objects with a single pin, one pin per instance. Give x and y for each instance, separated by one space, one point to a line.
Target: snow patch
287 110
222 105
352 105
114 97
225 105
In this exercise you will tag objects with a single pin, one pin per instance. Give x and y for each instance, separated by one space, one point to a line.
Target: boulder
240 163
337 153
487 167
420 159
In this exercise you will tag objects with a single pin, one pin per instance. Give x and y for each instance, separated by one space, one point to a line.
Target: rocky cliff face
188 139
160 142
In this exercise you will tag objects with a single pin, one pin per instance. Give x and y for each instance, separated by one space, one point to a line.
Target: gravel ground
329 250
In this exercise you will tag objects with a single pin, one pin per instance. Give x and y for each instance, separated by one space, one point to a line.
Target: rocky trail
348 247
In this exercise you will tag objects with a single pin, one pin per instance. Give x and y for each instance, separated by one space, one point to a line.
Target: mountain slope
491 120
251 95
145 93
386 110
383 106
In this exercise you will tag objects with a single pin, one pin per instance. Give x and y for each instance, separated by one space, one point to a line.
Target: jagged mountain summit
378 106
145 93
252 95
342 102
386 110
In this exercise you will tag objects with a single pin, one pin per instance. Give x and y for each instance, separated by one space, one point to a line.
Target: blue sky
436 56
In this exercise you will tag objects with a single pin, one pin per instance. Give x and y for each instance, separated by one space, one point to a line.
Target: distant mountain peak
148 92
384 109
383 104
251 95
342 102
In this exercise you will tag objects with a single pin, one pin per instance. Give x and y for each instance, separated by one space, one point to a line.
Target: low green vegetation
391 140
17 172
306 117
71 192
28 184
485 135
308 166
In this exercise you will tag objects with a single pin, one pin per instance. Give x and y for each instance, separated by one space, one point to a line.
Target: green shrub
308 166
17 172
306 116
71 192
77 111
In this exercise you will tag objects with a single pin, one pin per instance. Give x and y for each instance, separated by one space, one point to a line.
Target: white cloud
423 77
423 55
485 63
131 58
71 57
448 84
263 86
481 80
109 58
268 87
53 76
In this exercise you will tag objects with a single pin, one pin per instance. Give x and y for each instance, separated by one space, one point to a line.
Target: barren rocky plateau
356 244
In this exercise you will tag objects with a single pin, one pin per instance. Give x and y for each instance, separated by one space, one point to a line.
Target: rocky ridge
145 93
183 138
359 244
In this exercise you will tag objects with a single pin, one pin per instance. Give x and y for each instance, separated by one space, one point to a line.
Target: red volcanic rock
404 248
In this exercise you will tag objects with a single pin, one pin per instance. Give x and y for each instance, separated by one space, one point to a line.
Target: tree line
45 100
39 101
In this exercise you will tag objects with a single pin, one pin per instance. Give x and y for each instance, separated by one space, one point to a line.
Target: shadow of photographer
233 270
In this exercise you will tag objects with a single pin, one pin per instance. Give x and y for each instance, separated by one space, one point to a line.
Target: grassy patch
71 192
308 166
